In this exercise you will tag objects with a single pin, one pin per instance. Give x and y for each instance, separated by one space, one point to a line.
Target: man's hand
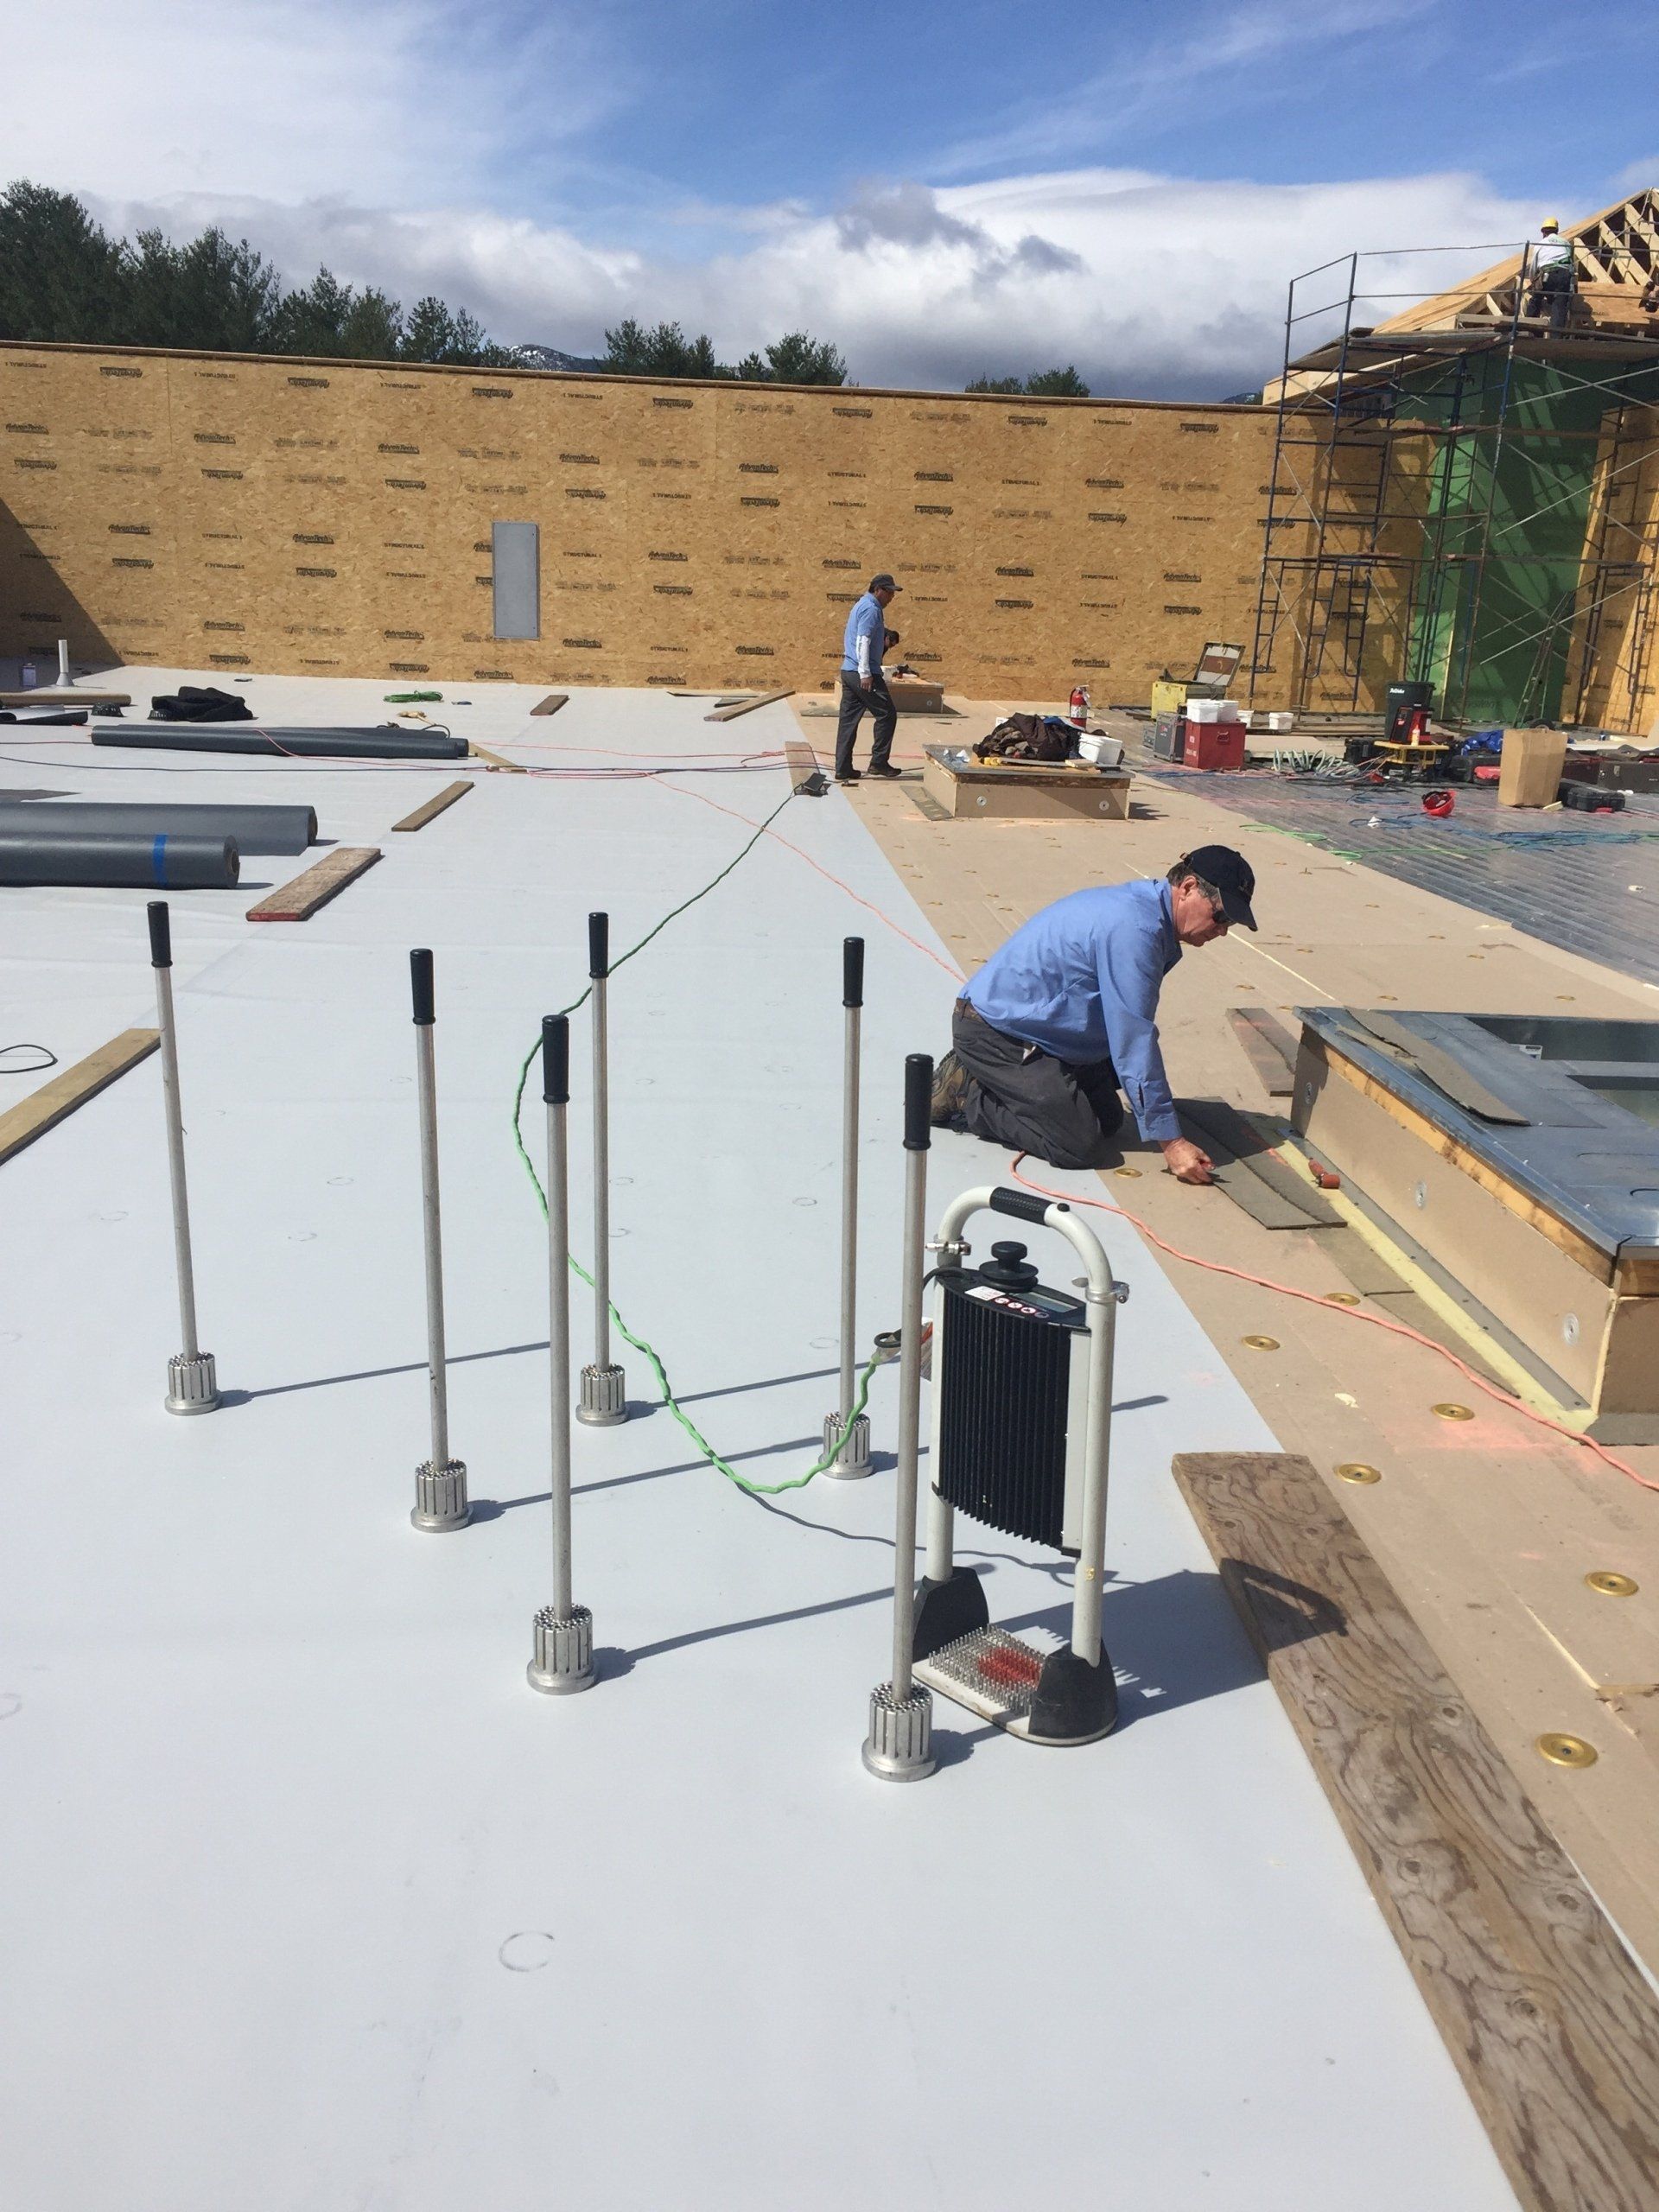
1186 1163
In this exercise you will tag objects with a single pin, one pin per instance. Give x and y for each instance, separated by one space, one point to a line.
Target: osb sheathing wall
312 517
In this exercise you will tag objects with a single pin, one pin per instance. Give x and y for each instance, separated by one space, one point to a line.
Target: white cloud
1149 284
387 140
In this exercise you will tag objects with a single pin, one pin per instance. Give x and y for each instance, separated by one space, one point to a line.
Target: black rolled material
556 1059
420 984
255 828
44 717
852 971
357 744
161 934
599 945
918 1101
159 863
1024 1206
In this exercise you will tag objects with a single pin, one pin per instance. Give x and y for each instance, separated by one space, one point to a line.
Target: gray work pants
1066 1112
858 699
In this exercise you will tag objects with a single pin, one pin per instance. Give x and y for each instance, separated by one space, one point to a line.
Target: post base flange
564 1652
441 1500
851 1464
192 1383
899 1746
604 1400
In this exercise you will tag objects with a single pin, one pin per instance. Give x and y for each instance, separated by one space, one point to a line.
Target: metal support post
850 1439
440 1482
603 1402
192 1378
64 680
899 1745
563 1657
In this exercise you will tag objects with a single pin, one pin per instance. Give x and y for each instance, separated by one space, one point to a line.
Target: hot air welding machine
1022 1411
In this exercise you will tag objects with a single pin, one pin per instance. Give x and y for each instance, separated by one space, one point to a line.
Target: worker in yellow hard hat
1549 265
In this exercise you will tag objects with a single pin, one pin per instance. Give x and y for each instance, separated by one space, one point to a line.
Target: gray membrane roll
258 737
158 863
255 829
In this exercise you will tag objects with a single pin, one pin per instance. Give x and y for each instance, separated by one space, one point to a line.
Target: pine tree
60 275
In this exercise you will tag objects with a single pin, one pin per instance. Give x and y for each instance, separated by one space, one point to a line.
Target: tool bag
1028 737
195 703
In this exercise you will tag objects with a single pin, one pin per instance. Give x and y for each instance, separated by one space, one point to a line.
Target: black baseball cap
884 582
1230 873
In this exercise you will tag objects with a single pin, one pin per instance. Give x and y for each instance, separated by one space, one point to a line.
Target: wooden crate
1027 791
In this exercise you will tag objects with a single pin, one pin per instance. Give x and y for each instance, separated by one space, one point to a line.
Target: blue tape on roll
158 860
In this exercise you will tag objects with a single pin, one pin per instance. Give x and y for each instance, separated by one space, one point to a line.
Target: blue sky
941 189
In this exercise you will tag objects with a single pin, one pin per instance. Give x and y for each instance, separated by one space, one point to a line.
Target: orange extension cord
1349 1313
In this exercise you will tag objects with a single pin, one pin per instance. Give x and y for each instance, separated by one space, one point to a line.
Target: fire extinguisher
1080 703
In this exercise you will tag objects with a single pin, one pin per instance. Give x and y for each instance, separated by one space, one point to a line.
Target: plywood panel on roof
340 514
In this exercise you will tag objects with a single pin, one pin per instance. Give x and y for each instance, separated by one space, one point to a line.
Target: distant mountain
548 357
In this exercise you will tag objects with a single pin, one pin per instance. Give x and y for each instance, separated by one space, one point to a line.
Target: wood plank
44 1109
748 706
299 900
495 761
1269 1048
551 704
1549 2020
50 695
424 813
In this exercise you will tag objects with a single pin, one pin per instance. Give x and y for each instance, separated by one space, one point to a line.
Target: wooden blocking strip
424 813
1270 1048
77 695
1547 2018
551 704
746 706
483 753
32 1116
299 900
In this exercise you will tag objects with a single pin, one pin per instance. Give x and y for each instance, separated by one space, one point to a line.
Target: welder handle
852 971
420 984
161 934
1024 1206
918 1101
556 1059
599 945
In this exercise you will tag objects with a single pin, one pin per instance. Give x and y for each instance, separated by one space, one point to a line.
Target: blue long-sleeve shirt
1081 981
867 620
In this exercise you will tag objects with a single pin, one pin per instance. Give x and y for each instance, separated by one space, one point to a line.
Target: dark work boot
949 1092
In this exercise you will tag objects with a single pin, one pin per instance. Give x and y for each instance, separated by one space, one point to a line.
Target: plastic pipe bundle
188 863
254 828
257 737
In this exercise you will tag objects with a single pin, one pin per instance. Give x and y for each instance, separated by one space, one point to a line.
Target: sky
948 189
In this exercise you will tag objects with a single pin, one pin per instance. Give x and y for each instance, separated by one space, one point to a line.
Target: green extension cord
648 1352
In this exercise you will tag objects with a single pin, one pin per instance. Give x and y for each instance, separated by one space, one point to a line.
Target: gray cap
884 582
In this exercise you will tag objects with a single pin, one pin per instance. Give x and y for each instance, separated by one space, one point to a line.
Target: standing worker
1553 276
863 686
1066 1014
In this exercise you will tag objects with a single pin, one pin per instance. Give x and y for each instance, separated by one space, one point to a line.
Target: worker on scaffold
1553 279
1064 1016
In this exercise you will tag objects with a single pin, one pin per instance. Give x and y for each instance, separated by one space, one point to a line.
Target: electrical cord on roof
1506 1398
647 1350
29 1067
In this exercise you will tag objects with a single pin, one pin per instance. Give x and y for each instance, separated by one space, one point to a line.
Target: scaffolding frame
1378 580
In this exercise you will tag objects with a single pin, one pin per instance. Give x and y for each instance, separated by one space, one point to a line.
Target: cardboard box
914 694
1529 767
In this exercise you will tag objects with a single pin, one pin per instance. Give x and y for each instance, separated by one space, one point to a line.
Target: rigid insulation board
340 518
